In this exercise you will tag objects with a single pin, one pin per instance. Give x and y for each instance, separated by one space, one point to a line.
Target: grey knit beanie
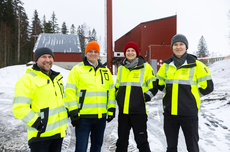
41 51
179 38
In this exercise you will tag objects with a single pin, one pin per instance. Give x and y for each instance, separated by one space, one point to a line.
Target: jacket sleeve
150 82
161 78
22 100
111 106
71 93
204 79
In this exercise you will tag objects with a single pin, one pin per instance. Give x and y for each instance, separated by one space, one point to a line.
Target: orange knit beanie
92 46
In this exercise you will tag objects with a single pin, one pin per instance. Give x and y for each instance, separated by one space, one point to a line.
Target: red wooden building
153 39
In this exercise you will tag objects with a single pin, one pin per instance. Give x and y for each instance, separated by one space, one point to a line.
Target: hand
39 125
42 129
109 118
147 97
75 122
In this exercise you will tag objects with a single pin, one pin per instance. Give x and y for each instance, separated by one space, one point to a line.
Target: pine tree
202 48
64 29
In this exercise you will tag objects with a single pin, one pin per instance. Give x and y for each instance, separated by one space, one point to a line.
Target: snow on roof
58 42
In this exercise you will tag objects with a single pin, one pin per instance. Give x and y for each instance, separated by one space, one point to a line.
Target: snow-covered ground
214 124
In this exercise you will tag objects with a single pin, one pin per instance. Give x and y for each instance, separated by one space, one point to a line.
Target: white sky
194 17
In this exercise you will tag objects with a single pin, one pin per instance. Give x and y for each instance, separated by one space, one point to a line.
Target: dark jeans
138 122
189 125
51 145
93 126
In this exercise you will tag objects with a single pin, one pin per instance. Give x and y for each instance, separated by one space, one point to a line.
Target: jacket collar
140 64
141 61
191 61
52 74
100 65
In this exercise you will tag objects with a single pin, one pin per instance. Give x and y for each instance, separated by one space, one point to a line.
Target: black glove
147 97
38 125
75 119
75 122
109 118
67 110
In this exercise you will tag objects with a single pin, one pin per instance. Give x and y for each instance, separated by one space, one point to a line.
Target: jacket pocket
81 100
44 118
42 82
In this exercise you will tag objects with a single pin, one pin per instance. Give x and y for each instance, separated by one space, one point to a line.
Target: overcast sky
194 17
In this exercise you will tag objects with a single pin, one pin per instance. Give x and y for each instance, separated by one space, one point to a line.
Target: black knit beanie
179 38
41 51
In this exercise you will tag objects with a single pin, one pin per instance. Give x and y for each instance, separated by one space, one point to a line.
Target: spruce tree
81 35
54 25
36 24
64 29
43 24
47 26
73 29
202 48
92 35
8 34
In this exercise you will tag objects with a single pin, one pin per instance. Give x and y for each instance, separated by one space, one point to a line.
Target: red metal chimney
109 45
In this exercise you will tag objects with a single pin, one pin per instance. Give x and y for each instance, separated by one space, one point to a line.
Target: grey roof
58 42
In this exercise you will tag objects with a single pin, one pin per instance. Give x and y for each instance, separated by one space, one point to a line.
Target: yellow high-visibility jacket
90 92
132 86
37 95
184 86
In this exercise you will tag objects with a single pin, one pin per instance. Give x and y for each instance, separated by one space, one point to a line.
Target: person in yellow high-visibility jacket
135 85
39 103
184 80
90 95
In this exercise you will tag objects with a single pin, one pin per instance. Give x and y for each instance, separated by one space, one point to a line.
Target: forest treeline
18 36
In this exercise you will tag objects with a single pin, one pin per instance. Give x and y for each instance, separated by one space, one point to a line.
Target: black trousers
51 145
189 125
138 122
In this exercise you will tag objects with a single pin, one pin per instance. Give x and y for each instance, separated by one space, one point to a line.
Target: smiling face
45 62
130 54
179 48
92 56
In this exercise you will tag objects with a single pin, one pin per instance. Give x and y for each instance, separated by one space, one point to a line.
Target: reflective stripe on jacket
184 86
90 93
131 86
36 92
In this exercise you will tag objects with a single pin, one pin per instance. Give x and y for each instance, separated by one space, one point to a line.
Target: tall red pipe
109 35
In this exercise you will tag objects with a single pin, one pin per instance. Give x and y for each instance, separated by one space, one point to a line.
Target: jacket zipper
60 89
101 77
